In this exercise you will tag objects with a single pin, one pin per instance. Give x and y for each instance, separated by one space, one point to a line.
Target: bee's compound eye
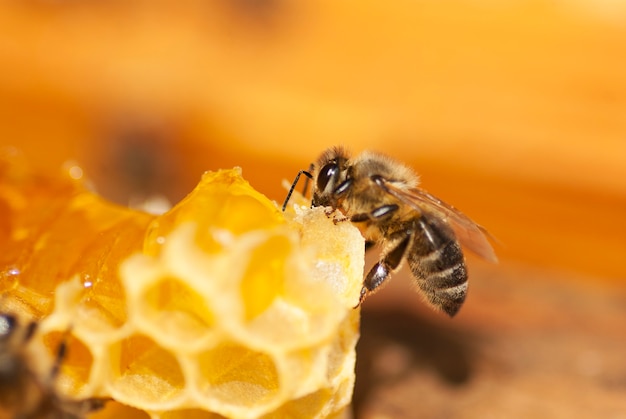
327 172
7 325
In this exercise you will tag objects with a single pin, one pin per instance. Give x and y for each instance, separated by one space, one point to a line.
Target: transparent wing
469 234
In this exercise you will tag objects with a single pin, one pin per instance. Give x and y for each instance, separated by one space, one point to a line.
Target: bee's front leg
380 271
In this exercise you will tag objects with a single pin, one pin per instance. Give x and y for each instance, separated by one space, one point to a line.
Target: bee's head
11 331
331 179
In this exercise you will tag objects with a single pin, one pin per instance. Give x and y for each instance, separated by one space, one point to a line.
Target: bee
24 393
381 197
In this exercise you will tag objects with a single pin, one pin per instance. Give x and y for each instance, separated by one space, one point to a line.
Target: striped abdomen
437 263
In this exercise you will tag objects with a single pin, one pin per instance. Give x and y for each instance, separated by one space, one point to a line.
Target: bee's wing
470 234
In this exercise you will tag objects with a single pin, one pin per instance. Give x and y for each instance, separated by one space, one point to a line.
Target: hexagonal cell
98 313
176 310
76 363
310 406
236 375
144 372
265 275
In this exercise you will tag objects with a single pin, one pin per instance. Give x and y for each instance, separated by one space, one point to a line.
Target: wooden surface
514 112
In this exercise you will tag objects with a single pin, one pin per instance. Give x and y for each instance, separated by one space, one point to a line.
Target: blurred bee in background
381 197
24 392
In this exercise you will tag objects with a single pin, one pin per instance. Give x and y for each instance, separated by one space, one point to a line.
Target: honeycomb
221 307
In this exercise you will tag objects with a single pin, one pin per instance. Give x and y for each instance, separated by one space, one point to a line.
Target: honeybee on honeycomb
381 197
26 392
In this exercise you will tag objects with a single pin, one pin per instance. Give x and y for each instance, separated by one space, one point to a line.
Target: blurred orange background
514 112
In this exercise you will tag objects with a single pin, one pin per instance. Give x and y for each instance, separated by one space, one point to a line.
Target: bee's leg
338 217
58 360
381 270
81 408
376 215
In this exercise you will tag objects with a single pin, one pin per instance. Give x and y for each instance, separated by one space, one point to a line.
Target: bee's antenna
295 182
31 328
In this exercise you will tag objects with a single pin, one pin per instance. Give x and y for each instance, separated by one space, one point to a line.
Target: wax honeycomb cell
175 309
140 363
222 307
233 374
